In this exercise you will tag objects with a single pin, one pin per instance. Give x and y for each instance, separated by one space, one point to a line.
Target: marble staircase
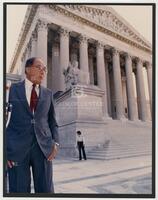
130 145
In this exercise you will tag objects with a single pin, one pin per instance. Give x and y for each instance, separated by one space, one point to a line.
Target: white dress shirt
28 89
80 138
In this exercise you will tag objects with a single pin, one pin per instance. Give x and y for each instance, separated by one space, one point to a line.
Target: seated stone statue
71 74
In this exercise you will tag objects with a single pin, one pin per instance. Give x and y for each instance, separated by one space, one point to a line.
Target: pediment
108 19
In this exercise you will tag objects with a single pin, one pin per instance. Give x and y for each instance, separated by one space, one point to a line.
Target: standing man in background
81 145
32 133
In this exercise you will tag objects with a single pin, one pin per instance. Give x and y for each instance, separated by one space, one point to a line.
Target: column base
107 118
147 120
123 119
134 120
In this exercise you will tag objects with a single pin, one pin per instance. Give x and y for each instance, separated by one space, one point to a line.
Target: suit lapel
22 96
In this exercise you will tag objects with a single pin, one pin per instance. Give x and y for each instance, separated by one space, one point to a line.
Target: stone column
29 49
64 56
149 75
84 59
91 70
26 52
74 52
42 33
141 91
132 106
25 57
49 73
55 67
34 44
22 71
117 84
124 94
101 76
108 87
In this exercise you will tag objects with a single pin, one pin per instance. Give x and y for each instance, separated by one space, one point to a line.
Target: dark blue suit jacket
23 123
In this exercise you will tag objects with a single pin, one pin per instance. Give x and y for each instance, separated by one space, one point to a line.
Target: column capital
42 25
34 36
115 51
99 45
83 39
27 47
64 32
23 57
138 60
148 65
128 56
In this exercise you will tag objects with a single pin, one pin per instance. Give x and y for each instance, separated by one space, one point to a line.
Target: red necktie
34 99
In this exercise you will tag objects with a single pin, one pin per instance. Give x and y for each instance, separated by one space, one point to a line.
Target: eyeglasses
41 68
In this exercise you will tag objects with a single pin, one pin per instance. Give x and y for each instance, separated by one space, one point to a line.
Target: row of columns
39 48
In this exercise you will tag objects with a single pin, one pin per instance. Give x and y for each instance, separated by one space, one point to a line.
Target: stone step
116 152
137 140
125 142
122 148
141 139
121 151
117 156
129 144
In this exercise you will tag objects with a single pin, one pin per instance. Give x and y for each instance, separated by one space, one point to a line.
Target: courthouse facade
114 59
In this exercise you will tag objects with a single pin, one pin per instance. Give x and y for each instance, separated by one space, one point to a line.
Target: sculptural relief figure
71 75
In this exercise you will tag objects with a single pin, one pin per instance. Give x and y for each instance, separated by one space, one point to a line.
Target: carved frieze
104 18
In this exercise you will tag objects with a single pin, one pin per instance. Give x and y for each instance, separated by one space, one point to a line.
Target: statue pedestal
80 108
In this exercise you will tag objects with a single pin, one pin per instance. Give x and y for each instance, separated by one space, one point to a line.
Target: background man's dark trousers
81 150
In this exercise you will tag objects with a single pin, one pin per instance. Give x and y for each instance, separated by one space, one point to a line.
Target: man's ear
27 70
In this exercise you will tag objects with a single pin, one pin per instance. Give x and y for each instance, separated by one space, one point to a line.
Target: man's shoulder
47 90
17 84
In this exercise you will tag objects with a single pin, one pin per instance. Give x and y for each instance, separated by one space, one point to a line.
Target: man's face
36 72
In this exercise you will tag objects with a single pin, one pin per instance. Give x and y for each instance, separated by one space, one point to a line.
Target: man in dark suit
32 133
